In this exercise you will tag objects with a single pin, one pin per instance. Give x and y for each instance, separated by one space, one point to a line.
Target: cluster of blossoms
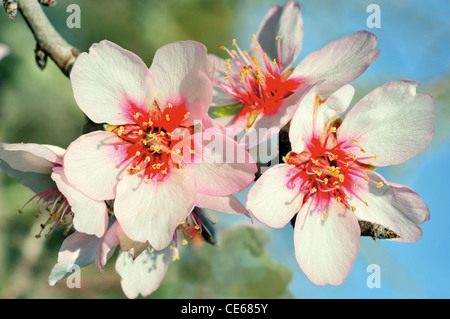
164 154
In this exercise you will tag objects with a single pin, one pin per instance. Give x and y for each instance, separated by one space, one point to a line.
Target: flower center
154 140
258 85
328 173
57 207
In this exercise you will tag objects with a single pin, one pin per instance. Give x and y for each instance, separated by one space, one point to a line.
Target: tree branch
48 41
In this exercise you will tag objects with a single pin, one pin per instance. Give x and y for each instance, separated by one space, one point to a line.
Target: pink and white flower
260 89
141 268
4 51
39 167
328 182
149 160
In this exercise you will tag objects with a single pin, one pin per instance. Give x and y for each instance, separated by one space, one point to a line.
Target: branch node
10 8
41 57
376 231
48 3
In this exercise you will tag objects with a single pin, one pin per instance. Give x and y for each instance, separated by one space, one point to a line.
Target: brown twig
48 41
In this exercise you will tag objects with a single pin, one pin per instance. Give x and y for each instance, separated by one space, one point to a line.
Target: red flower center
154 140
260 88
329 172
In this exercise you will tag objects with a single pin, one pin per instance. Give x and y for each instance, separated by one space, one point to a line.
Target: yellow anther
325 217
197 227
140 132
148 159
164 171
313 190
319 173
171 247
192 151
151 250
175 257
353 208
186 115
222 47
366 178
167 117
233 42
138 153
244 53
233 52
184 242
375 157
380 184
347 197
341 178
150 123
355 185
278 37
333 129
338 199
354 141
325 180
253 37
169 105
366 204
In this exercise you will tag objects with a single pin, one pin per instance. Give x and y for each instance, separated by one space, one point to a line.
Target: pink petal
30 157
287 23
392 121
339 62
152 211
107 80
183 72
144 274
94 163
271 200
394 206
90 216
224 168
326 249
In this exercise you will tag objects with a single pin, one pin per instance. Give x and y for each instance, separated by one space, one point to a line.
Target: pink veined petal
30 157
309 120
272 199
287 23
152 211
326 249
107 79
339 62
106 246
144 274
224 167
183 72
94 163
90 216
392 121
225 204
76 250
394 206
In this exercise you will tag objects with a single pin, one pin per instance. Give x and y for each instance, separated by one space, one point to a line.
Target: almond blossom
260 89
328 181
151 159
39 167
141 267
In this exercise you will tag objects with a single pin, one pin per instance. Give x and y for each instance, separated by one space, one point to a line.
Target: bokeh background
248 260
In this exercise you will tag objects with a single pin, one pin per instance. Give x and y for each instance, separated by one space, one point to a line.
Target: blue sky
414 40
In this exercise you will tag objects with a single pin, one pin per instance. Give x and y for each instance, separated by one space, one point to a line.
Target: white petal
152 211
107 80
77 250
339 62
144 274
94 163
224 204
326 249
310 120
287 23
394 206
272 200
183 72
30 157
392 121
90 216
